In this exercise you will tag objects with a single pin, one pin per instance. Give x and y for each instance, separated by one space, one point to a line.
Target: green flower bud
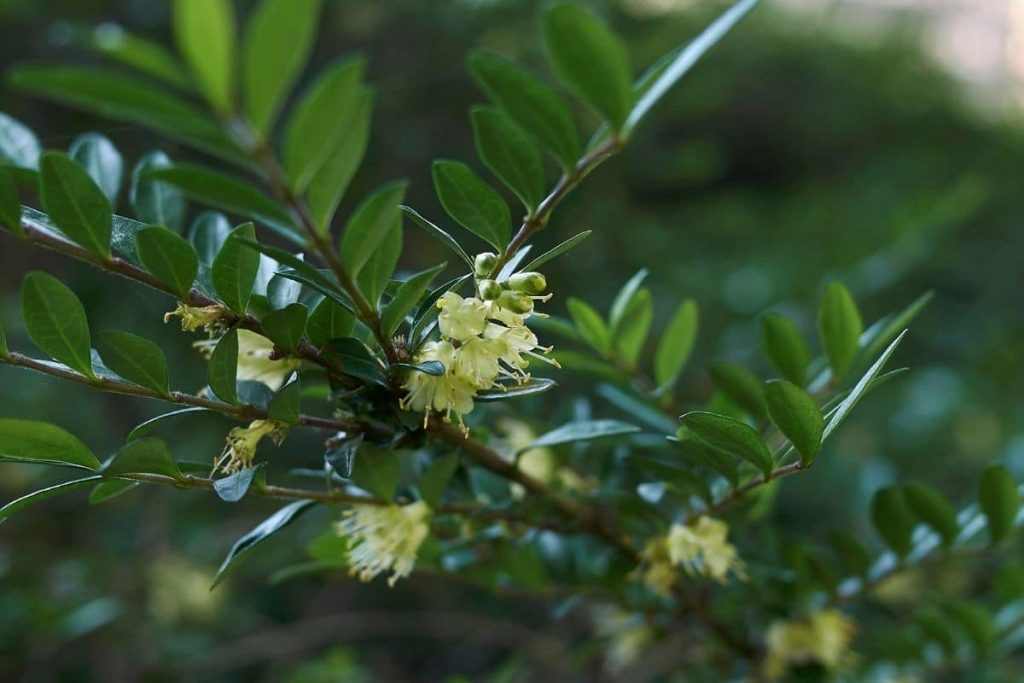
529 282
489 290
483 264
517 302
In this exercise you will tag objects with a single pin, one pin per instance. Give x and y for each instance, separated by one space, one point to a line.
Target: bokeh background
873 141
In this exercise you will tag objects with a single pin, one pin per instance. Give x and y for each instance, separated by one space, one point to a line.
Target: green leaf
223 369
537 385
207 234
886 329
471 202
797 416
843 410
233 488
434 368
19 146
205 34
340 455
433 483
319 122
407 296
169 258
510 154
557 251
225 192
978 623
276 47
685 60
136 359
286 326
156 202
284 407
437 232
268 527
785 348
143 456
56 322
147 57
729 435
101 160
894 519
370 226
322 281
591 60
623 300
235 268
840 327
152 423
328 321
45 494
359 361
377 471
852 554
5 352
31 441
999 500
590 325
631 332
676 344
740 386
105 490
932 508
582 430
329 183
536 107
75 203
10 204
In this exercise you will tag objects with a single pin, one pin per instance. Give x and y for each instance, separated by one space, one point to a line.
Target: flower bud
484 263
517 302
529 282
489 290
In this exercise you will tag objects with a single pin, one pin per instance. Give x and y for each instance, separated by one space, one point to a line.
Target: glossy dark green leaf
377 471
10 204
591 60
319 121
840 327
894 519
56 322
285 327
233 487
932 508
537 385
785 348
676 344
358 361
170 258
340 455
235 268
536 107
696 452
45 494
143 456
223 368
136 359
510 154
740 386
107 490
851 552
207 235
406 298
1000 501
156 202
19 146
443 236
590 325
328 321
32 441
434 368
372 224
144 428
472 203
204 31
260 533
284 407
729 435
75 203
557 251
433 483
583 430
276 47
797 416
101 160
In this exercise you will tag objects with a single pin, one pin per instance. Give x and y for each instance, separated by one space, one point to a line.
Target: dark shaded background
788 158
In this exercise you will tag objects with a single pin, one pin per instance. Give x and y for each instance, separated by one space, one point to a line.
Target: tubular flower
384 538
823 637
240 450
461 319
656 570
702 549
255 362
210 318
446 393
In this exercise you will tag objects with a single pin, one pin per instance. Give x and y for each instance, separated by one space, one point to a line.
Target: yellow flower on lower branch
211 318
823 637
240 451
384 538
702 548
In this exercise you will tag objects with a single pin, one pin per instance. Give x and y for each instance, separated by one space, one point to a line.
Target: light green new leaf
591 60
999 500
785 348
590 325
235 268
862 387
205 33
407 296
321 119
275 49
286 326
10 204
101 160
56 322
729 435
442 235
19 146
932 508
797 416
582 430
471 202
556 251
371 226
75 203
222 372
894 519
170 259
631 332
31 441
510 154
143 456
268 527
840 327
147 57
136 359
676 344
156 202
623 300
45 494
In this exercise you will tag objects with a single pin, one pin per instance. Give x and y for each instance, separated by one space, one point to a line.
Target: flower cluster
384 538
240 451
700 549
628 634
211 318
484 340
823 637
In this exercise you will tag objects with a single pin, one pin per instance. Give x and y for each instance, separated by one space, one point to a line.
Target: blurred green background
798 152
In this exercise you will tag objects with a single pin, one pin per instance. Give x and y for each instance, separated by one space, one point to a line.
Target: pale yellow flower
477 361
461 319
384 538
210 318
445 394
702 548
656 570
240 451
628 635
823 636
